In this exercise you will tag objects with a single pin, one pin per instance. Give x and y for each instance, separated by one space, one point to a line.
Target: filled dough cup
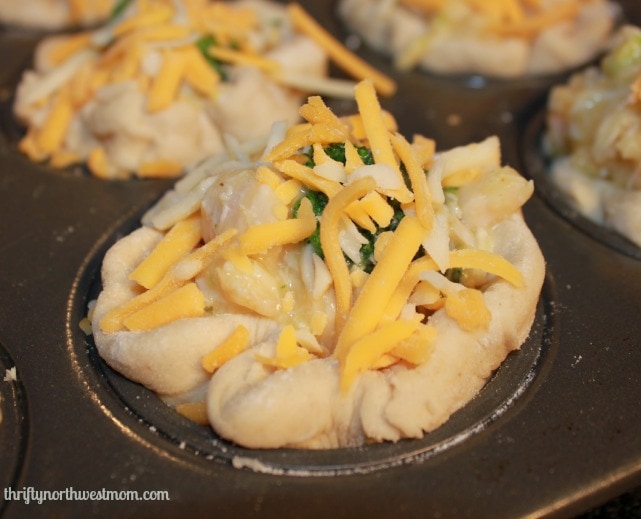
504 39
591 135
335 286
162 85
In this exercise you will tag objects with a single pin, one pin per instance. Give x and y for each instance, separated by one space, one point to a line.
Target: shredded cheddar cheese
165 86
288 190
159 168
322 129
243 58
523 18
315 111
348 267
468 308
472 30
344 58
146 18
369 348
377 208
417 347
237 342
262 237
288 352
405 287
98 162
381 284
186 301
466 258
377 134
180 273
173 52
307 177
352 159
68 47
460 178
179 241
194 411
51 135
423 202
268 177
200 75
331 246
531 26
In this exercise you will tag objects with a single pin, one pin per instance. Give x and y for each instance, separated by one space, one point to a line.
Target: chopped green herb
406 177
454 275
315 242
119 8
367 249
204 44
366 155
367 253
309 153
319 201
336 152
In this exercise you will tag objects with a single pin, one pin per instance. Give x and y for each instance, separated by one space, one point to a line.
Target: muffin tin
554 433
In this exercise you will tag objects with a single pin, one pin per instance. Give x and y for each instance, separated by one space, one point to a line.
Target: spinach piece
454 275
336 152
119 8
309 153
367 250
366 155
319 201
204 43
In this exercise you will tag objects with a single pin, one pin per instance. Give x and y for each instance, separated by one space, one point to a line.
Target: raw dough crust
303 406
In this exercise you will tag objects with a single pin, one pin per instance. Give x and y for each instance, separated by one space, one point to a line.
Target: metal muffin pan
555 432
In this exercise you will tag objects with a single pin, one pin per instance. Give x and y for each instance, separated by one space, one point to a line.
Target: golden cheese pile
165 83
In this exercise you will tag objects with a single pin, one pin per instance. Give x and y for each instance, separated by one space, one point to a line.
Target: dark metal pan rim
14 422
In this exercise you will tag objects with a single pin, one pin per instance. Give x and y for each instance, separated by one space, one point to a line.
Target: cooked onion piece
593 131
329 293
504 38
165 84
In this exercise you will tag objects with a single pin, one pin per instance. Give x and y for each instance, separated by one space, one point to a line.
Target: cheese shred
347 60
331 246
370 305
